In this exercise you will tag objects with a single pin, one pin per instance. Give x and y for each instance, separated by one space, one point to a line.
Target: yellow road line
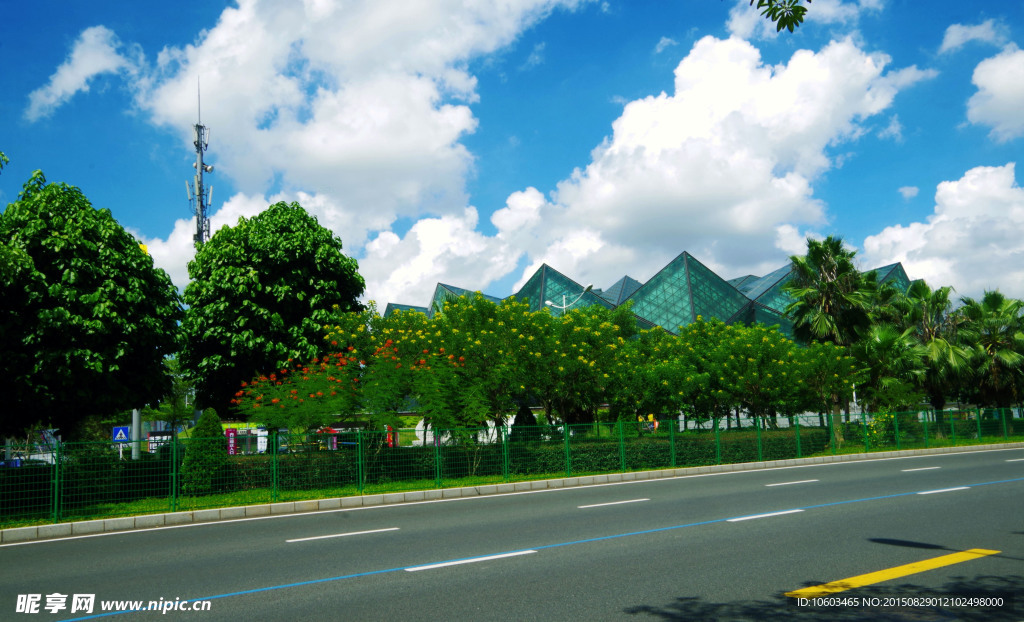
890 573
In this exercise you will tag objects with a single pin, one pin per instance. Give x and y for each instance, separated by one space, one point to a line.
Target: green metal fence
76 481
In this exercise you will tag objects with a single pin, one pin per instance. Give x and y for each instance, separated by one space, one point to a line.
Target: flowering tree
652 374
261 293
760 368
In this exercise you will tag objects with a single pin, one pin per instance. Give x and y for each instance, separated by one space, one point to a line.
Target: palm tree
892 360
937 328
995 327
831 298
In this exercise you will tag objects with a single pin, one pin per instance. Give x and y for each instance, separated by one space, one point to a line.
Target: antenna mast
199 196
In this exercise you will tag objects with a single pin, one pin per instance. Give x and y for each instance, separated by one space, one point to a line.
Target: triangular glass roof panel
532 292
565 293
394 306
768 290
445 292
743 283
621 290
712 295
665 300
894 275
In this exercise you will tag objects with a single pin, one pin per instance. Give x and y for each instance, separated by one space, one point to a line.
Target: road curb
132 523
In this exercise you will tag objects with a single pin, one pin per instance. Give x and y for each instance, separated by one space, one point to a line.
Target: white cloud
958 35
535 58
360 116
521 211
790 240
908 192
974 239
1000 97
448 249
723 167
663 44
894 130
94 53
357 109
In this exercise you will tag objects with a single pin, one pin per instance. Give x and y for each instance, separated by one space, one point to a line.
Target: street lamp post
565 306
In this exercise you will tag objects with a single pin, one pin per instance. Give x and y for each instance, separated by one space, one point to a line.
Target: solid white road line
1016 460
803 481
600 505
932 492
736 520
921 469
467 561
342 535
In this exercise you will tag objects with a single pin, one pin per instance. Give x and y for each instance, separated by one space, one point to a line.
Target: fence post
622 445
718 444
568 454
1002 414
360 471
275 452
831 432
437 461
799 451
977 416
757 426
952 430
864 426
56 483
505 467
174 472
896 428
672 438
926 429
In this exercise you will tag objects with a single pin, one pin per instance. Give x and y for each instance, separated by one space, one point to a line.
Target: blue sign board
122 434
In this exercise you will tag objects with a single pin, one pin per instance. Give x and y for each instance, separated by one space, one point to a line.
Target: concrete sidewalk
59 530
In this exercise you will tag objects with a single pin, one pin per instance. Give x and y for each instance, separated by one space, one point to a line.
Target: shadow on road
926 545
782 608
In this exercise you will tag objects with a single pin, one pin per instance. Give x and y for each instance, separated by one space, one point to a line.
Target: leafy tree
937 328
760 369
701 343
786 14
206 456
831 298
262 292
892 361
85 318
995 328
580 354
828 374
651 374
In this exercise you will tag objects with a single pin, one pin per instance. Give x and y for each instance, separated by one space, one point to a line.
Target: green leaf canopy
261 294
85 318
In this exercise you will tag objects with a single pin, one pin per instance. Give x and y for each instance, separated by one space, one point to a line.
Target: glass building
674 297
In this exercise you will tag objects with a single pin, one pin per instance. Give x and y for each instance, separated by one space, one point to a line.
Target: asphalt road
716 547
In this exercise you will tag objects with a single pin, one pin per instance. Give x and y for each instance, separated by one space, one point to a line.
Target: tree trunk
837 424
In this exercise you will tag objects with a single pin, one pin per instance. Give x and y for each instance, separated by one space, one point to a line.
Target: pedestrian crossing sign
121 434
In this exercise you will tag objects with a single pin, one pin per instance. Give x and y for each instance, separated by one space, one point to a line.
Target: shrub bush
204 469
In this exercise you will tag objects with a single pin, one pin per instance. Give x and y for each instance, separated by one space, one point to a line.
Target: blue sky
462 143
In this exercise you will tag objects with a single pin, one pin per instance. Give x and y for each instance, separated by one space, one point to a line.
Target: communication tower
199 196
